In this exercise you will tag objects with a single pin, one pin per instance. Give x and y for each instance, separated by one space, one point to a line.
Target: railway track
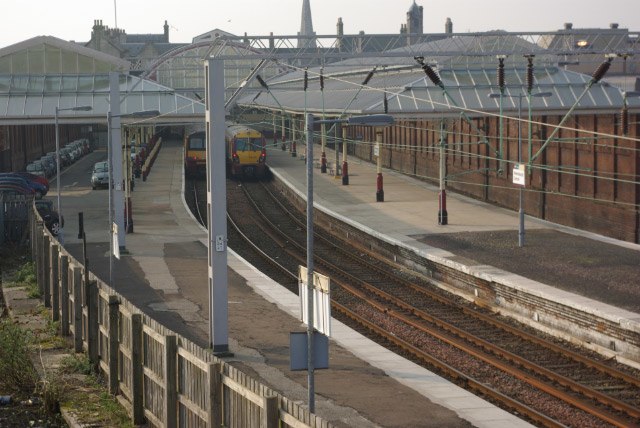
548 382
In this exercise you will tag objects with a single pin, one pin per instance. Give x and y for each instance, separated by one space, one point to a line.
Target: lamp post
110 149
369 120
521 192
58 110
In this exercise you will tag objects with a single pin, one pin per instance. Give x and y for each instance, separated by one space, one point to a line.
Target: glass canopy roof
37 96
43 73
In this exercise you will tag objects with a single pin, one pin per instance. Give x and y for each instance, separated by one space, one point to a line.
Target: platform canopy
43 73
468 79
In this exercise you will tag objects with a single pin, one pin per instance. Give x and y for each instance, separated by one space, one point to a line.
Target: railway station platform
165 273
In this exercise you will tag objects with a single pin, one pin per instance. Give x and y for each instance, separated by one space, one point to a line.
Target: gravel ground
601 271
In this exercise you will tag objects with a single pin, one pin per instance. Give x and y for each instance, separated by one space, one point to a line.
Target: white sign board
321 300
376 149
518 174
116 247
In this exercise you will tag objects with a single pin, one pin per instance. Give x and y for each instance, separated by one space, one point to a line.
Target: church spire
306 27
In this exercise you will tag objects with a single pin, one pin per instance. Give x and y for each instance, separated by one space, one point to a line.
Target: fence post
77 309
170 380
91 293
137 394
37 257
270 414
214 410
45 287
114 310
54 280
64 295
33 234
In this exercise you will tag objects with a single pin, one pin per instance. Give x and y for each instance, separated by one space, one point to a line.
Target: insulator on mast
432 75
262 82
501 74
369 76
529 74
601 71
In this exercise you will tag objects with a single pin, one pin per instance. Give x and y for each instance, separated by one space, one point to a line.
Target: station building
583 174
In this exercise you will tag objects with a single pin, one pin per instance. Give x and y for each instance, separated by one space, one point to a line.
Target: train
245 154
195 154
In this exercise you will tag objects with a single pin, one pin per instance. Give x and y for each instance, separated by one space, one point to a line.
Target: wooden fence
160 377
14 212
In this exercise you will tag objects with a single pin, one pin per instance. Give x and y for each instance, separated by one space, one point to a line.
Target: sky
72 19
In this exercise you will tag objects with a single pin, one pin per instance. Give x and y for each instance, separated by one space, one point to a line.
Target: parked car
49 165
33 177
77 150
100 175
68 154
38 188
50 216
86 144
8 188
65 159
37 168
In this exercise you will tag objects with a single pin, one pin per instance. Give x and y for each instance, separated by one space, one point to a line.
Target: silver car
100 175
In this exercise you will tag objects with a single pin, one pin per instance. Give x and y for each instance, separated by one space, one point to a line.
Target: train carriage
195 153
245 152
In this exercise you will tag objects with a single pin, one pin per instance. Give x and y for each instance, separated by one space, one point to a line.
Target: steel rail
488 347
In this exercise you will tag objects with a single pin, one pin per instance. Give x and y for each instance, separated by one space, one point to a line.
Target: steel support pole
345 164
275 133
521 192
310 363
323 156
442 196
336 151
282 134
294 126
500 144
217 208
61 229
379 180
110 216
116 157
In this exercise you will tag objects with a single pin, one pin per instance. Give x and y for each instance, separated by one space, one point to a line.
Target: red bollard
380 190
345 173
442 207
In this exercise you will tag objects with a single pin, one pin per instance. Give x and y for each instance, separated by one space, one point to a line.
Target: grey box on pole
298 351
